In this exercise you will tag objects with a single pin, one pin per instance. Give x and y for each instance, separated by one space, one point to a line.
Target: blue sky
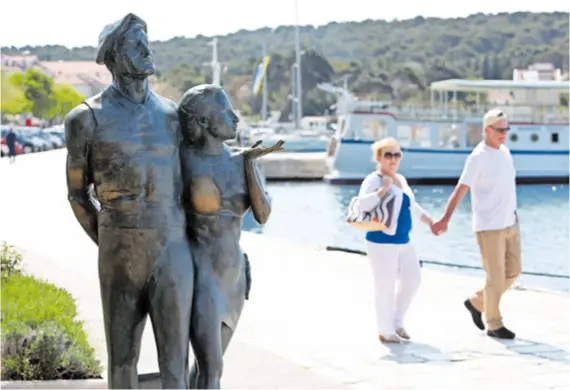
76 23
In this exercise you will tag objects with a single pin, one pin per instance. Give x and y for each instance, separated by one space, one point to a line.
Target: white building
537 72
87 77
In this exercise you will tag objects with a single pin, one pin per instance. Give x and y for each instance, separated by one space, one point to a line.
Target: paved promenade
310 320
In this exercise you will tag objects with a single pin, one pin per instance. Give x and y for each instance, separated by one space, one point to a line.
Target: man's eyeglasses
390 155
501 130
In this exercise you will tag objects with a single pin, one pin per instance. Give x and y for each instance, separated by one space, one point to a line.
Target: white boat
436 141
298 142
314 136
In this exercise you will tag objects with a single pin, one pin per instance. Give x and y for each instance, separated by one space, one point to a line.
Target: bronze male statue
220 187
125 142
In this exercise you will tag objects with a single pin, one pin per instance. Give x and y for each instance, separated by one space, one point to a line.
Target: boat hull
353 162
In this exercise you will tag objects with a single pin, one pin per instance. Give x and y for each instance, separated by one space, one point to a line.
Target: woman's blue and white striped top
404 207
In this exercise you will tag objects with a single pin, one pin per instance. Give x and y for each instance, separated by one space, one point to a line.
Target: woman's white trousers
397 275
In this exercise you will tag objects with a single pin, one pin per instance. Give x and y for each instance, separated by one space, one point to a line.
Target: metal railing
445 264
532 114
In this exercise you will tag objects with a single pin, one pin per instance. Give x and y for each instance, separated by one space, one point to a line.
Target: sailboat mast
299 110
215 63
264 88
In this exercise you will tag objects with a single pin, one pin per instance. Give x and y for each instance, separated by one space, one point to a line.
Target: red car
4 148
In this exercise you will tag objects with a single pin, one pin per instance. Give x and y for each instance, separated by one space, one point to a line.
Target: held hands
439 227
255 152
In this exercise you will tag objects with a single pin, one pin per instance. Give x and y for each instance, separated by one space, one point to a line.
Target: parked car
29 144
57 131
34 139
55 142
30 135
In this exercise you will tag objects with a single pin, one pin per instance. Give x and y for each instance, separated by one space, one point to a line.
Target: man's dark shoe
475 314
501 333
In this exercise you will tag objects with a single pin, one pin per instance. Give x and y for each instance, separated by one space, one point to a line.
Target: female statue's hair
194 112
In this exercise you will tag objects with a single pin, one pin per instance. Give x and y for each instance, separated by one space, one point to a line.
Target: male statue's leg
122 298
170 306
124 318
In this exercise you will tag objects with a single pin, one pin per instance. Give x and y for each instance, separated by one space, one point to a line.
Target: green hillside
382 59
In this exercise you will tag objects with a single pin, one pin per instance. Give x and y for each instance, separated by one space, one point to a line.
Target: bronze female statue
220 186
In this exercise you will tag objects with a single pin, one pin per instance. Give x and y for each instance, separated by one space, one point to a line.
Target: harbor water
314 213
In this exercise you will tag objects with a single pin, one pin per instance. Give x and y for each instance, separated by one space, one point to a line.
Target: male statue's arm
260 201
79 125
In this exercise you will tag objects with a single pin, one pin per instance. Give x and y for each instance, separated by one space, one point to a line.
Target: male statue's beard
133 72
138 74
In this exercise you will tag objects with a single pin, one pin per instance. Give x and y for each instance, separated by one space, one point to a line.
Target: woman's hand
386 184
255 152
427 220
439 227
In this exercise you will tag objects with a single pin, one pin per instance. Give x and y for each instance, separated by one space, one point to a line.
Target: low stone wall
294 166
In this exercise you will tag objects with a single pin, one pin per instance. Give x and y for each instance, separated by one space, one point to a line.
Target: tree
13 100
41 96
38 89
66 97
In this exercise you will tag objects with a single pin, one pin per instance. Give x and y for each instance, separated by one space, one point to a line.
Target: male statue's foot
501 333
475 314
402 333
393 338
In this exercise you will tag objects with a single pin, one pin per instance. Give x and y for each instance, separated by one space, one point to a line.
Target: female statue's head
205 111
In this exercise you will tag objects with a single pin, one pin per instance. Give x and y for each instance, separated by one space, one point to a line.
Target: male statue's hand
439 227
256 152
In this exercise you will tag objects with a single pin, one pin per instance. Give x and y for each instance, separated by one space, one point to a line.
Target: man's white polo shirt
490 174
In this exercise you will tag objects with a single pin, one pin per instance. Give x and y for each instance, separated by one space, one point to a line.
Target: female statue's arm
259 198
255 182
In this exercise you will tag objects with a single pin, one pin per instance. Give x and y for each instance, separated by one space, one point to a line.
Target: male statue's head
124 49
205 112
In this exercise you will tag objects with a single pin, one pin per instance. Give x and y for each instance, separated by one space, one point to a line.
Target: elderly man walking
490 174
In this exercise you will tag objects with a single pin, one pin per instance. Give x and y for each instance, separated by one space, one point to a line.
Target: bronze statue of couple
159 192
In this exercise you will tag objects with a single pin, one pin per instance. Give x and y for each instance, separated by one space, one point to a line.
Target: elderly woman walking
393 259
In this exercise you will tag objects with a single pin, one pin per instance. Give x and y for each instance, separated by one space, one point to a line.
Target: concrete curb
146 381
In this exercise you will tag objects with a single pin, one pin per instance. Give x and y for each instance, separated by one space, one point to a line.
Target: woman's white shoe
393 338
403 334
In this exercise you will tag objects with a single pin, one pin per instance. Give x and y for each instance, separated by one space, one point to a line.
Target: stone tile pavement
310 320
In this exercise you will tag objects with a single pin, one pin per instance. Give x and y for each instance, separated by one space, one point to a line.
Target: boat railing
531 114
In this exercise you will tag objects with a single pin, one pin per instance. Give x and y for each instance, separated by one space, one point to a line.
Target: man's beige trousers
501 255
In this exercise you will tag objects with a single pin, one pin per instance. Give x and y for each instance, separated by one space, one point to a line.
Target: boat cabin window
412 136
554 138
474 135
534 137
514 137
373 128
404 135
420 136
448 136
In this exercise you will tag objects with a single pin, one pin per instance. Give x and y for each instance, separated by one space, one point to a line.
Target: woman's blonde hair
379 146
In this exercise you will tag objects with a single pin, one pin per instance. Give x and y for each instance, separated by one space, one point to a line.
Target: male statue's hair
111 38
